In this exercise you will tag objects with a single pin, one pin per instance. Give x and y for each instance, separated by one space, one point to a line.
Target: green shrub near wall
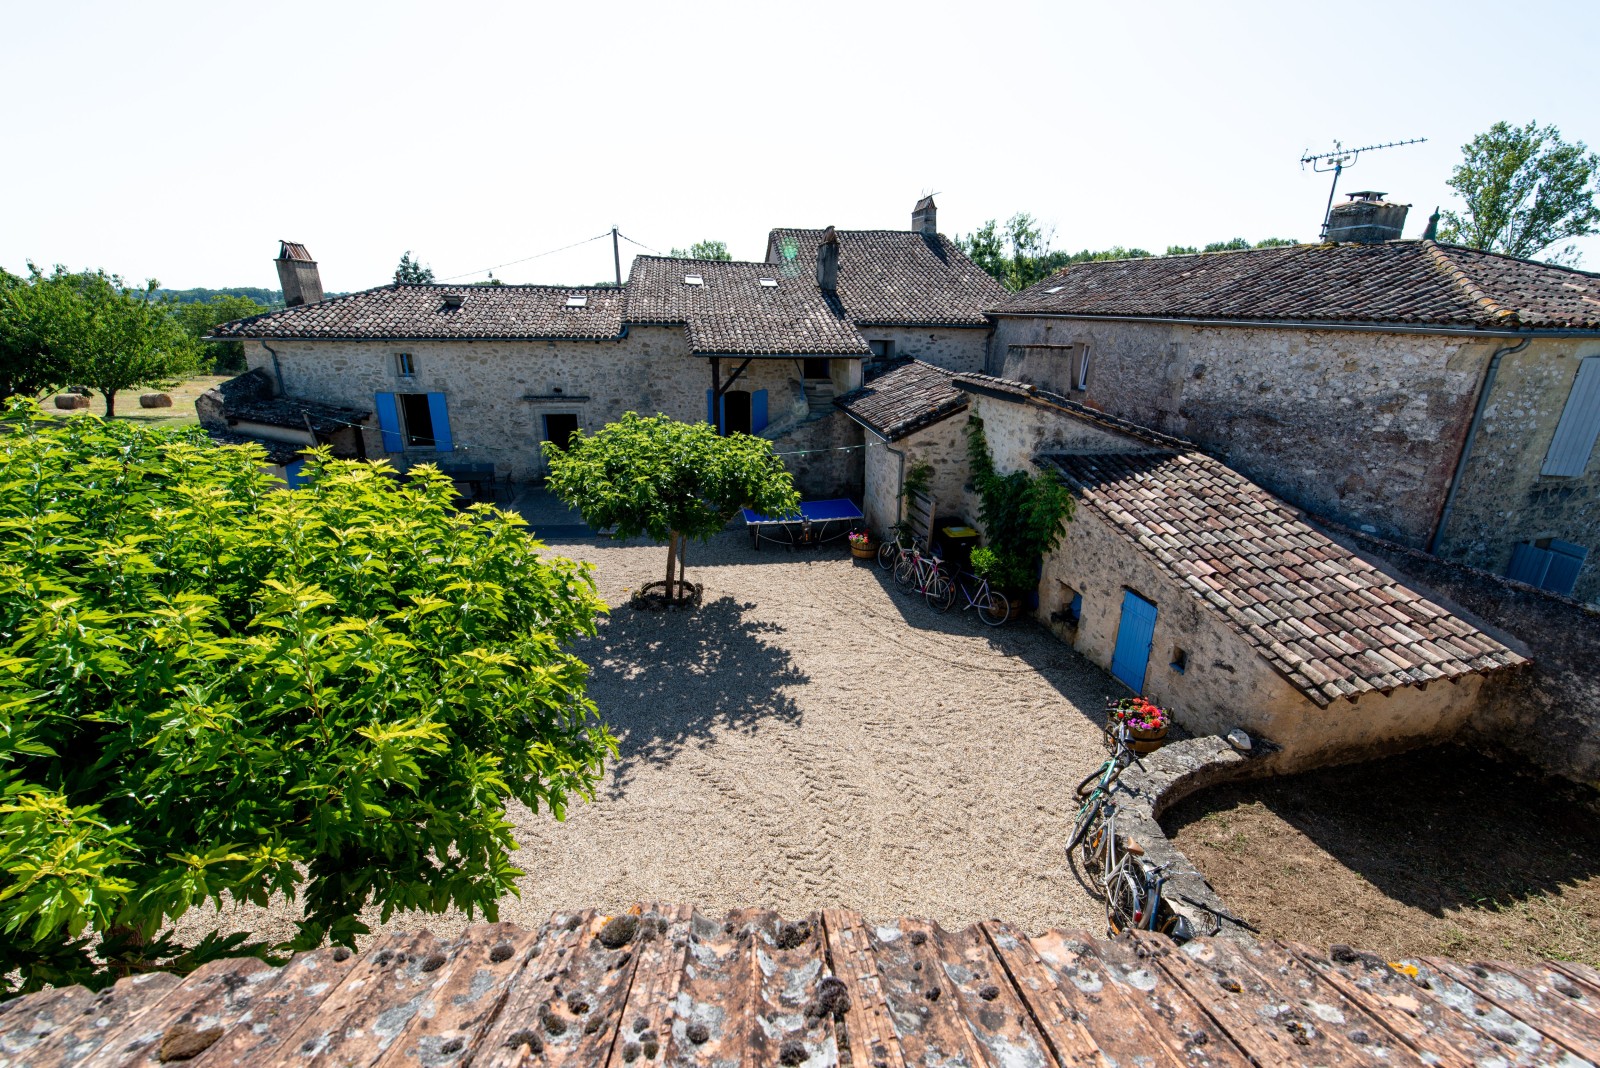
210 685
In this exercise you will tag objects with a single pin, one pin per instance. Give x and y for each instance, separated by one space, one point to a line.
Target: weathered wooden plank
1055 1011
755 990
279 1007
472 975
190 1018
358 1018
645 1020
1568 1026
979 990
869 1035
1583 973
27 1022
1404 1009
1259 1017
1165 1016
1520 1043
108 1016
517 1031
1550 982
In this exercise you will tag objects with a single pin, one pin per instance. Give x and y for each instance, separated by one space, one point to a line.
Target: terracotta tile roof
1026 392
1419 283
731 313
664 985
903 399
423 312
895 277
248 398
279 453
1327 620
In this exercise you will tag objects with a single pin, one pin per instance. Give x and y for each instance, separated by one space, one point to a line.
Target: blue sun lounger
818 522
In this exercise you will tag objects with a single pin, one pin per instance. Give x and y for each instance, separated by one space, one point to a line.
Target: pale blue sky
180 141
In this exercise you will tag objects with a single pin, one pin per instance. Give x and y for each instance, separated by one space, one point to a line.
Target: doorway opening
417 419
736 412
559 428
818 367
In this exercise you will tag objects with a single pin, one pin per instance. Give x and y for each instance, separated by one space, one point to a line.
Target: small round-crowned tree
211 685
668 480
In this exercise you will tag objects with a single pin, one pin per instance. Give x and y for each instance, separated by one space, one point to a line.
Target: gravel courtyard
809 737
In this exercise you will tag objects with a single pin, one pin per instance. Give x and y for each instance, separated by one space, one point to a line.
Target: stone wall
825 456
943 446
1503 499
1365 427
498 392
1548 712
954 349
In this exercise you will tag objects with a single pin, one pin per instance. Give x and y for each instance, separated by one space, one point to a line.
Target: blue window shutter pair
1135 634
1575 434
442 442
389 423
758 411
1554 568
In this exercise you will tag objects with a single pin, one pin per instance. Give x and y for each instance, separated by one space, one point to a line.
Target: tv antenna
1337 160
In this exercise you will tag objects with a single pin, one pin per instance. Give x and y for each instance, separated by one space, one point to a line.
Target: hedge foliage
210 685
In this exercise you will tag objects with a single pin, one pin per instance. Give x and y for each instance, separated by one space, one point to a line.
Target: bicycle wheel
1125 898
1088 817
993 608
905 570
941 592
888 555
1092 780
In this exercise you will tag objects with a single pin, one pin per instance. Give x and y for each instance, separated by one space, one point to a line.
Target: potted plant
862 547
1147 722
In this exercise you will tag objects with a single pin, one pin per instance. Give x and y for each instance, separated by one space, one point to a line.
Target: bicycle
894 548
992 605
917 570
1135 901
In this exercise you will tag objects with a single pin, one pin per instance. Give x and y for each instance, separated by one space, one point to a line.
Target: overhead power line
525 259
641 244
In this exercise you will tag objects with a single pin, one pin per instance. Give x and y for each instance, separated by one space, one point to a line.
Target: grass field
180 414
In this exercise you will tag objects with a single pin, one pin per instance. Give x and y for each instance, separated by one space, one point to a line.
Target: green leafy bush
1022 513
668 480
210 685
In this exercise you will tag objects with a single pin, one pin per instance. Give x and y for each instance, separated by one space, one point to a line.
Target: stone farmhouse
487 373
1188 582
1441 397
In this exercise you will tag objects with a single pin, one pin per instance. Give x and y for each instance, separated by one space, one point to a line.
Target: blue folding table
817 522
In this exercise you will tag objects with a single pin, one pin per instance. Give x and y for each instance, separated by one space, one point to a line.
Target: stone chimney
297 274
1367 219
828 261
925 217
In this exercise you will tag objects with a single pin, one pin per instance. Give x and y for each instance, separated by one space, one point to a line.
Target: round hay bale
154 400
71 401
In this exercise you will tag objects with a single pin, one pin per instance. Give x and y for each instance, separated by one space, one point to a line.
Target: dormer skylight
577 301
452 300
1055 289
693 280
772 282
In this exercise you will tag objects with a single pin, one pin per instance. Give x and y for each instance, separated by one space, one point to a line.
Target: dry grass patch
181 413
1441 851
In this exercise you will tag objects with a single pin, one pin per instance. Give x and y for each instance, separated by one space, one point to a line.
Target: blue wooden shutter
389 423
1580 424
1566 560
291 474
758 411
1135 634
1528 563
716 409
442 441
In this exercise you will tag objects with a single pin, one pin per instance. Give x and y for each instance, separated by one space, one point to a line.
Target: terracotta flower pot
864 552
1148 741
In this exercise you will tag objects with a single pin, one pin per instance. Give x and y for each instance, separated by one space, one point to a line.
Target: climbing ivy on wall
1021 512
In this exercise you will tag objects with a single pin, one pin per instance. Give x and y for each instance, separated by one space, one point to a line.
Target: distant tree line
1018 253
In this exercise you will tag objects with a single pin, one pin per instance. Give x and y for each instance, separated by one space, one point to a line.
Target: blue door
1135 634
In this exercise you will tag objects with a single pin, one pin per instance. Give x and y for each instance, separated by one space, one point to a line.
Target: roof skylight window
1055 289
693 280
577 301
771 282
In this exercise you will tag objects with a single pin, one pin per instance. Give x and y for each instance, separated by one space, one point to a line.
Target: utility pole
1337 160
616 256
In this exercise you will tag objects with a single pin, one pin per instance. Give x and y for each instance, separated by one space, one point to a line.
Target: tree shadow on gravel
667 679
1435 829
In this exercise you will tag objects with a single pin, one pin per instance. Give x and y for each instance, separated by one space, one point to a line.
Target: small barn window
1580 424
881 350
1081 379
403 365
1180 660
1071 610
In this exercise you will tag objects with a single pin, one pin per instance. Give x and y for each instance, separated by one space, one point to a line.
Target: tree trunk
111 403
672 561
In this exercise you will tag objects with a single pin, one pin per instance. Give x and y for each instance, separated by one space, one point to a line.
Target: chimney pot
925 217
297 275
1367 219
828 261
